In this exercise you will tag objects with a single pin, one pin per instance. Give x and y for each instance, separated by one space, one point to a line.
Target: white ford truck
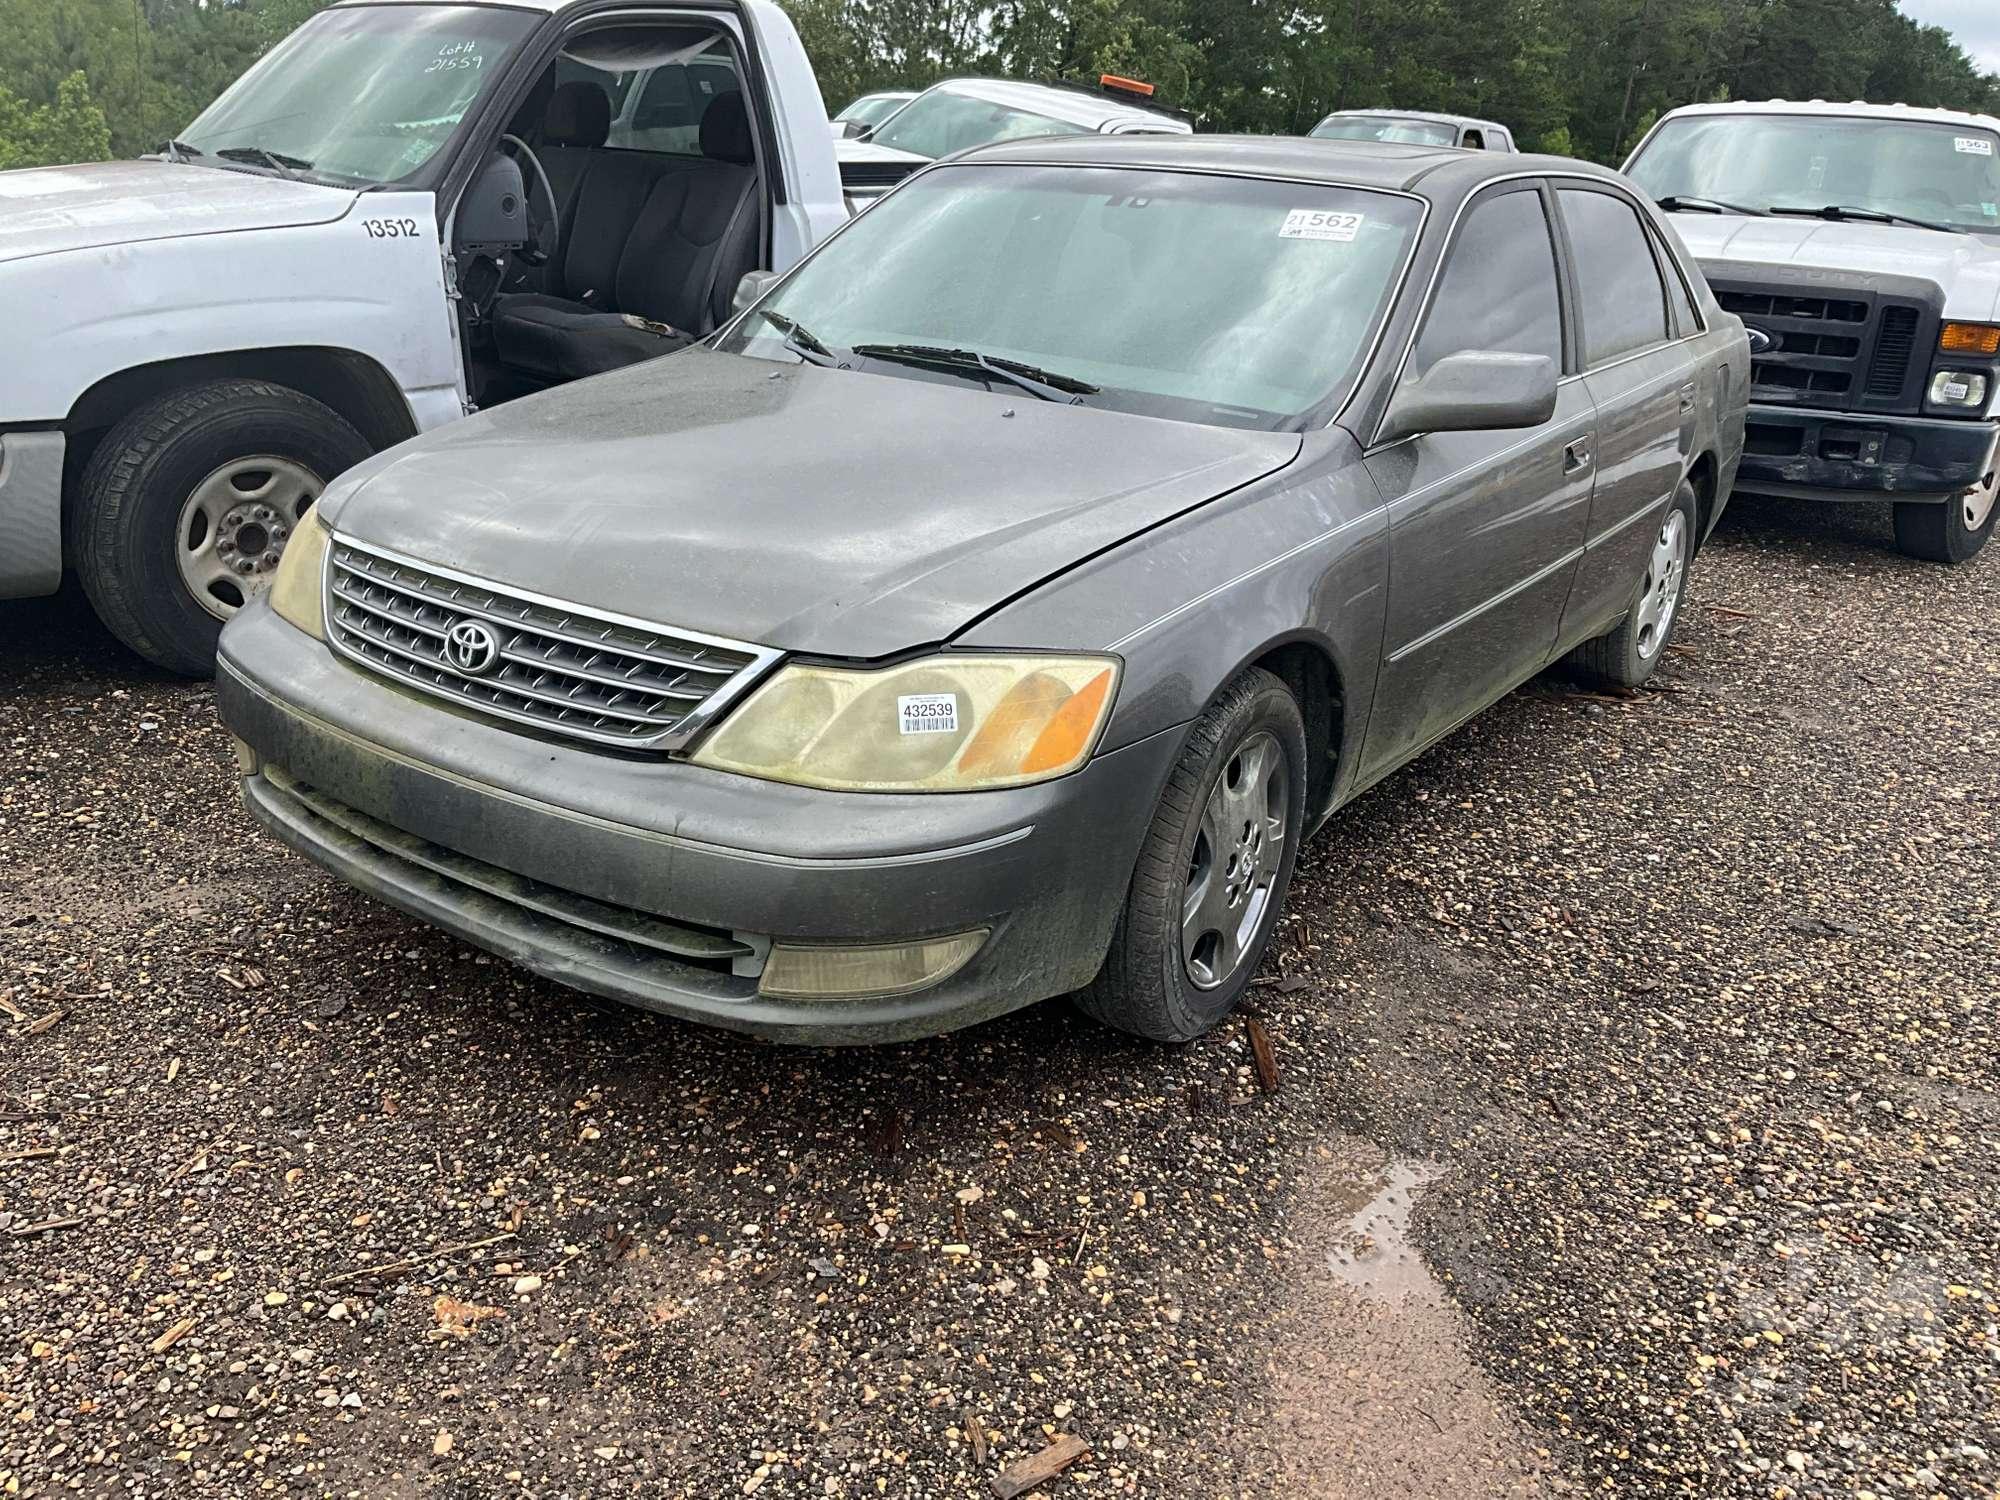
1860 244
405 211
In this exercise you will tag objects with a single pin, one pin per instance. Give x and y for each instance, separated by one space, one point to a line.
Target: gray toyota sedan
991 611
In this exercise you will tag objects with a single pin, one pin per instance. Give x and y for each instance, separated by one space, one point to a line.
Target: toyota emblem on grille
471 649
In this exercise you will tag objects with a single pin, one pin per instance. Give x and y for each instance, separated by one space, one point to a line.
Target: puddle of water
1375 1255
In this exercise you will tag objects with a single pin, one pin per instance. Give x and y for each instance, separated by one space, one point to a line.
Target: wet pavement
1635 1129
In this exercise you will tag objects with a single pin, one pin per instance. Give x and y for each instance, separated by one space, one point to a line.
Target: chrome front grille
571 671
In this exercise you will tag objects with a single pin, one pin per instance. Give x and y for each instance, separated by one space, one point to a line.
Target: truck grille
1837 351
574 672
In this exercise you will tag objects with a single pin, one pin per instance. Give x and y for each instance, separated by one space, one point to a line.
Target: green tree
39 135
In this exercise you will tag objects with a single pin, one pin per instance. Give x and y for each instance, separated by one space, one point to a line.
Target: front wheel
187 504
1213 871
1952 532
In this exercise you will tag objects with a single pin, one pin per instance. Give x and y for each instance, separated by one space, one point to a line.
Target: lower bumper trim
1824 455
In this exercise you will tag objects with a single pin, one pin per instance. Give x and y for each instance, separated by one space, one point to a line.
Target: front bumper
31 475
1827 455
546 852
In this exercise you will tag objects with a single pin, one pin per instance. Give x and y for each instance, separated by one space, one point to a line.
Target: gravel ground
1685 1006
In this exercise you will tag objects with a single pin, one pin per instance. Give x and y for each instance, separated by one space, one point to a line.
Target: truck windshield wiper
1046 384
1680 203
277 161
177 151
1839 212
799 340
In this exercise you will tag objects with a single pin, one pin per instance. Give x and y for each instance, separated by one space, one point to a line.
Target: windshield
873 107
364 95
1943 174
1221 300
1385 128
941 122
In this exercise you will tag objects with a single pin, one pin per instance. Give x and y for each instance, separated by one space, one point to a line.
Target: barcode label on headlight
928 713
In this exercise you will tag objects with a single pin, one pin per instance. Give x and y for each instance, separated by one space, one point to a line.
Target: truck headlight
1958 388
946 723
296 592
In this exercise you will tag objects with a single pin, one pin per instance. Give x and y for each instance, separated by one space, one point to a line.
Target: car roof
1440 172
1416 114
1850 109
1075 106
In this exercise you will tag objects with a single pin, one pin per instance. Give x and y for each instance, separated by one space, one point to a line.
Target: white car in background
400 214
870 110
1416 127
961 113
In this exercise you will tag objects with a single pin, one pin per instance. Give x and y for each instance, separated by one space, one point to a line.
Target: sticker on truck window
1318 224
1972 145
927 713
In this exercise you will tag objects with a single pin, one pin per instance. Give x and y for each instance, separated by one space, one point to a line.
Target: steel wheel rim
1978 501
1660 591
234 525
1239 849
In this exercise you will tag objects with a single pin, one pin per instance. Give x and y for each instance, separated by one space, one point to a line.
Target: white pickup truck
1860 244
405 211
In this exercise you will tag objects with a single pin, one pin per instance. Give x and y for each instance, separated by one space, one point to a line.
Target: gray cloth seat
647 239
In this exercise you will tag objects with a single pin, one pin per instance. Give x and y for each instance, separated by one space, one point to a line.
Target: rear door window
1623 303
1498 292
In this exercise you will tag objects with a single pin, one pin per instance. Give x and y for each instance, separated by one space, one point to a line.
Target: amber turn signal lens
1067 739
1970 338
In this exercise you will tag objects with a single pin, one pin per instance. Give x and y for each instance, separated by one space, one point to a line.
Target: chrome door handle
1576 456
1687 396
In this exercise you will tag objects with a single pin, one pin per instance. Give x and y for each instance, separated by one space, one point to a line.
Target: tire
1952 532
1628 654
1149 985
151 489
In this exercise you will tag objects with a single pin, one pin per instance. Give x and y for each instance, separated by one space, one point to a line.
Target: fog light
815 972
1958 388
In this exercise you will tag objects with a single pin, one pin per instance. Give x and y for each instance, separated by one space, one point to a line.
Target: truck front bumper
31 475
1829 455
627 876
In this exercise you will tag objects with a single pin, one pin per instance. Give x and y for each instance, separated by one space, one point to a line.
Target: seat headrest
579 115
725 129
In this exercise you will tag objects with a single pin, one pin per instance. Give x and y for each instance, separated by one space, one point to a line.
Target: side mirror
493 215
753 285
1477 391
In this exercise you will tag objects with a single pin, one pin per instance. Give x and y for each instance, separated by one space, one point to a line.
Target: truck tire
1628 654
1952 532
187 503
1229 825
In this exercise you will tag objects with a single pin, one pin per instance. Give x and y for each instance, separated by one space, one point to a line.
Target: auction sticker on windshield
1972 145
1319 224
928 713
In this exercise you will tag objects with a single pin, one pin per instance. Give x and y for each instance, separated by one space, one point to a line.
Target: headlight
1958 388
295 591
947 723
1970 338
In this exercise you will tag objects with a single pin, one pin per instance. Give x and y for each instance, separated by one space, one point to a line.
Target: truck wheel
1952 532
188 502
1213 871
1627 656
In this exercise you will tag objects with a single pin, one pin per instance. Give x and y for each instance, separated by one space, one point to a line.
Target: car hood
48 209
1965 266
829 511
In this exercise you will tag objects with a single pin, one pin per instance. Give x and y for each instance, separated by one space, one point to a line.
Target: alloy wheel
1978 501
1233 869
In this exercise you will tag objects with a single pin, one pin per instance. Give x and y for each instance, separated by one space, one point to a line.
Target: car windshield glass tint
1377 128
1939 173
1231 301
366 95
942 122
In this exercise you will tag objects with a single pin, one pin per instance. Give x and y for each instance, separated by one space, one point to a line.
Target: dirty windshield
1230 301
1943 174
363 96
943 121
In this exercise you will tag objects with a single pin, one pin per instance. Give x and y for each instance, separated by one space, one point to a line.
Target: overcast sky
1976 24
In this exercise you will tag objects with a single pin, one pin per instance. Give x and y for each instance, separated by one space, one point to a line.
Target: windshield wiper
177 151
277 161
800 341
1840 213
1680 203
1046 384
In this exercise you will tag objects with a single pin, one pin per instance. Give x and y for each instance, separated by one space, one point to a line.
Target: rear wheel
188 503
1213 871
1952 532
1630 653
